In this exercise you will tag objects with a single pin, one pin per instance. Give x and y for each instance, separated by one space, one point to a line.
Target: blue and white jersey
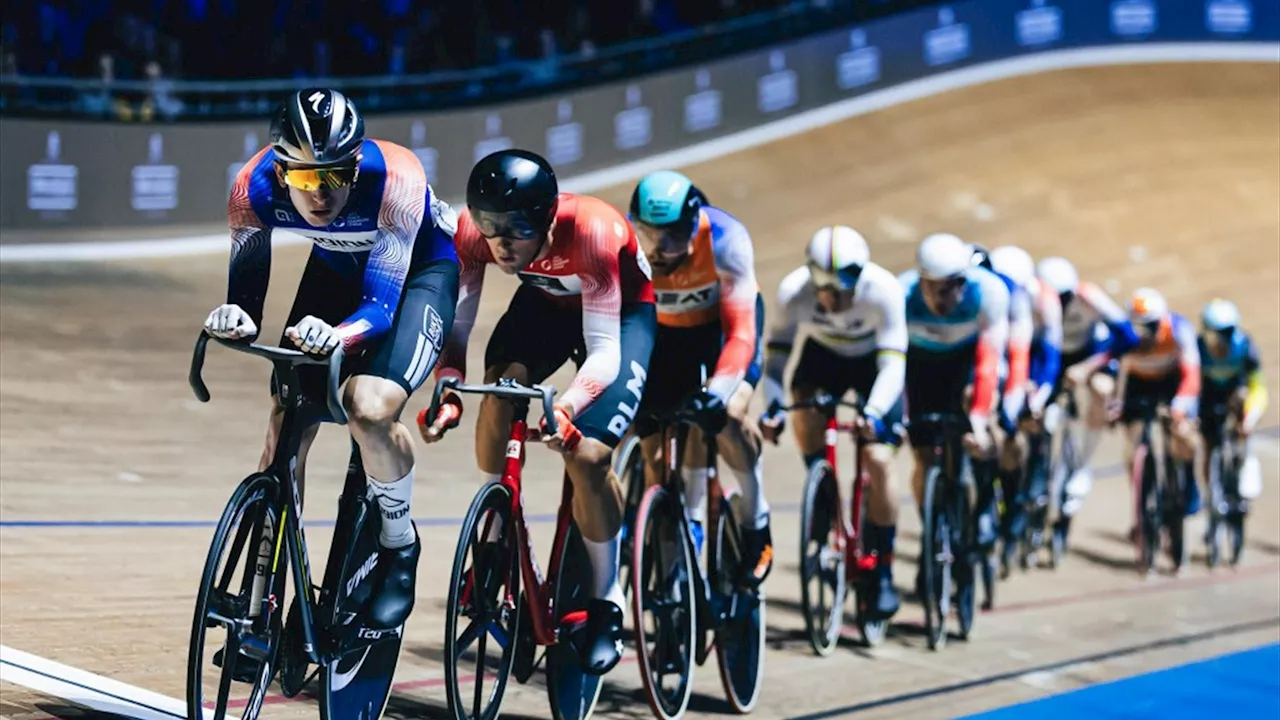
983 309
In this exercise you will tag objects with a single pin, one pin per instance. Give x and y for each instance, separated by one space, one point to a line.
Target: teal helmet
668 200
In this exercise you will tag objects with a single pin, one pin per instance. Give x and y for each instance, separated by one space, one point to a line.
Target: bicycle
1051 461
487 592
832 557
1157 489
947 537
324 628
1227 509
628 467
670 589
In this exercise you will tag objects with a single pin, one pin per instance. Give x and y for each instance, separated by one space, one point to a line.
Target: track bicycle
675 604
1052 459
493 558
948 557
832 557
1227 508
260 534
1158 488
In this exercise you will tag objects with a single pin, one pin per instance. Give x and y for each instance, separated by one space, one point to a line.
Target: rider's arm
249 270
404 205
1050 310
993 335
473 256
1187 399
793 299
1255 399
1022 329
891 341
596 247
1123 337
735 263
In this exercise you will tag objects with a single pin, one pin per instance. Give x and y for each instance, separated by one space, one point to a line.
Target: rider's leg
809 426
740 445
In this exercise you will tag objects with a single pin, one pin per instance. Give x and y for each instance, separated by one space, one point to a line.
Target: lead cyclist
381 280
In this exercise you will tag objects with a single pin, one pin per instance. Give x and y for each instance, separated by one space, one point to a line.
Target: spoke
230 653
469 636
498 633
479 675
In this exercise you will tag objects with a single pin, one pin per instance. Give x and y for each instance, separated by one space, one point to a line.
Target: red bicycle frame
856 562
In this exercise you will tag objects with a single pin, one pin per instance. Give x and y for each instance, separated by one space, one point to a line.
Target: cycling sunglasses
845 279
328 178
510 225
673 239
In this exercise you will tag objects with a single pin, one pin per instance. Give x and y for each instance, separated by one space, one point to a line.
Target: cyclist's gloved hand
567 435
871 426
978 440
772 423
230 322
448 415
313 335
1115 408
712 412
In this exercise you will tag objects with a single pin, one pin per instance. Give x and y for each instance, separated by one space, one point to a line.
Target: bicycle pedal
246 667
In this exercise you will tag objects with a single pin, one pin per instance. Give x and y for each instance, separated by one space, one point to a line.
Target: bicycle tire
822 623
739 639
967 557
628 467
935 590
573 693
256 489
493 498
657 515
1148 503
1216 532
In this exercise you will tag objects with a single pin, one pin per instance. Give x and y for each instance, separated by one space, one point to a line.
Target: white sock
604 569
753 502
695 493
393 501
495 526
1092 438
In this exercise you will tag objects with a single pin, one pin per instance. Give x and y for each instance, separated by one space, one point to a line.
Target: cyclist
848 317
382 280
1043 364
1095 333
585 295
1165 366
957 328
1231 378
710 312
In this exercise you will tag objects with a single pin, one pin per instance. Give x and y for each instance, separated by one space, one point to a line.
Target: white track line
87 689
734 142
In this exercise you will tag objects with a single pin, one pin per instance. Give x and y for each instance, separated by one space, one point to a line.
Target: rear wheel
935 562
572 691
663 603
628 466
1216 532
739 638
243 540
822 560
484 595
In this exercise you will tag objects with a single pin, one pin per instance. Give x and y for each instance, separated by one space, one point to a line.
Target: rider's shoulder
989 284
724 226
795 284
878 283
397 161
908 279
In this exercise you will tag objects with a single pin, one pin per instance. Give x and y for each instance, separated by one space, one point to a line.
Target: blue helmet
669 200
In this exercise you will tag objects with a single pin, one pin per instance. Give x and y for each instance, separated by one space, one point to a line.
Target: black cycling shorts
542 336
936 383
1160 391
821 369
675 370
408 352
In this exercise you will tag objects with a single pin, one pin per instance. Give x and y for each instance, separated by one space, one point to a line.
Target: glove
447 417
873 427
230 322
772 422
712 413
567 435
313 335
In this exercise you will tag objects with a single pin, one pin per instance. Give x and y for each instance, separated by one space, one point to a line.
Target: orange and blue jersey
1172 351
717 283
392 221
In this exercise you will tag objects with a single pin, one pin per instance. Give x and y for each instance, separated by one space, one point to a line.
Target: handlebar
824 401
333 397
506 389
945 425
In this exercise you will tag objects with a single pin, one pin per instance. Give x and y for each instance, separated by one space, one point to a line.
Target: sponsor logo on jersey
688 300
562 285
626 412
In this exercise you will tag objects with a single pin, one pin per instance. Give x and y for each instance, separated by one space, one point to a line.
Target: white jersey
875 322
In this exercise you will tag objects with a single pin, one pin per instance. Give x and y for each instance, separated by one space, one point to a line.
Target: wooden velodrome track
1162 175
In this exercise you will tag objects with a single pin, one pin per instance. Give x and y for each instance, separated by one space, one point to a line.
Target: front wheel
483 597
935 562
663 603
573 692
233 595
628 466
823 568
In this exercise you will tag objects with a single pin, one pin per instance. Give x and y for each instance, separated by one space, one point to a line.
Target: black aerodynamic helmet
513 194
318 127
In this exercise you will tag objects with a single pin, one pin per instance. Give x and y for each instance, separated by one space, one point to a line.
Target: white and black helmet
317 126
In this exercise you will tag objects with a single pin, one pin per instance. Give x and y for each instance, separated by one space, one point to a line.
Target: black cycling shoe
246 667
887 601
394 593
599 643
757 555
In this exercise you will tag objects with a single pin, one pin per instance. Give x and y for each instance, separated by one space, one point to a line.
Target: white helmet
836 256
1059 274
1147 305
943 256
1015 263
1220 315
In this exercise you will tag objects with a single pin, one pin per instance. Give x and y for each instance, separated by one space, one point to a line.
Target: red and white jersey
592 261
